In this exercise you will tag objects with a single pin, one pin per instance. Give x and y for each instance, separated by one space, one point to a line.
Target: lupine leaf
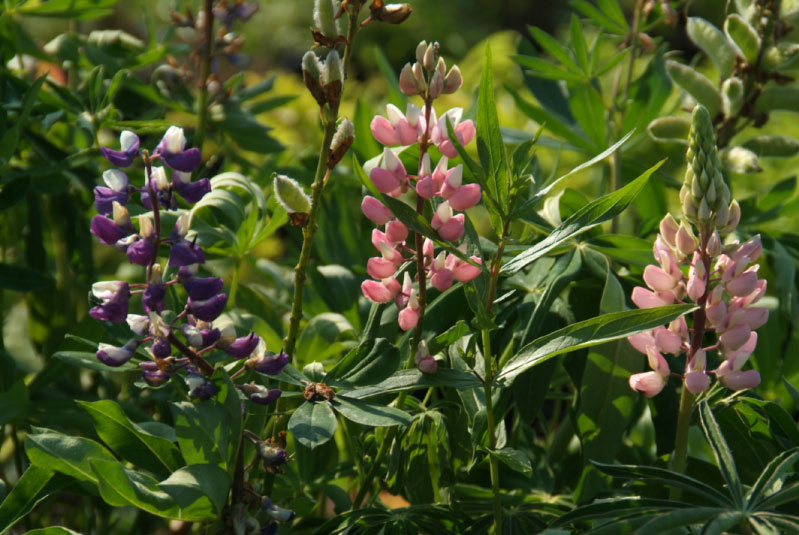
35 484
64 453
313 424
598 211
667 522
370 413
721 452
490 147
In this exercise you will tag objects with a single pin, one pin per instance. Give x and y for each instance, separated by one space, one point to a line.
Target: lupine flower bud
686 241
203 288
260 394
324 17
153 375
389 13
199 386
312 75
116 191
271 454
290 195
140 325
421 48
161 348
268 364
191 192
172 151
407 82
242 347
430 57
380 291
376 211
277 513
714 245
464 271
704 192
333 70
341 142
453 81
113 299
129 144
207 309
668 229
418 76
116 356
436 85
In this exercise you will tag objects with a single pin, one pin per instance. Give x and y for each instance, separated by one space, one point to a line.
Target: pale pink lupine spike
465 272
716 313
656 361
668 229
657 279
378 238
738 357
697 278
755 317
696 381
426 188
467 196
376 211
750 249
465 132
649 384
741 380
406 134
393 286
383 131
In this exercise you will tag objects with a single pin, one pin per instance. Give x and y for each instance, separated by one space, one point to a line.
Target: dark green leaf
721 452
414 379
369 363
194 485
369 413
64 453
22 279
313 424
591 332
598 211
131 442
490 147
514 459
89 360
667 522
34 486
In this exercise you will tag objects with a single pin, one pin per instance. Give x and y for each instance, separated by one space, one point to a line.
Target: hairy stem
205 71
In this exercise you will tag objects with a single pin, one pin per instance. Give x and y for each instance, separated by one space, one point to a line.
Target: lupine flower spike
721 279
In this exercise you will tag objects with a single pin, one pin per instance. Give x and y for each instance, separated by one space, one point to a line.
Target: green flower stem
679 458
205 71
488 385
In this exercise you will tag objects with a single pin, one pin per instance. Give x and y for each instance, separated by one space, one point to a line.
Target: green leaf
414 379
655 475
370 362
11 137
713 43
610 22
313 424
587 106
721 452
65 453
370 413
778 98
196 486
490 147
316 341
792 391
616 507
13 192
396 96
14 401
578 44
88 360
71 9
202 432
545 69
666 523
591 332
551 123
697 85
555 49
34 486
598 211
23 279
130 441
770 476
743 36
514 459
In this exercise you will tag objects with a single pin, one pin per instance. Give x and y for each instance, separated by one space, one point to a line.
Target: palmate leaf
591 332
598 211
721 452
667 522
616 507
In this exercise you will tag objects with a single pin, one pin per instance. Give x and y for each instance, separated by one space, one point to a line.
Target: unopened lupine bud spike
418 76
686 241
668 229
436 85
420 50
441 66
430 57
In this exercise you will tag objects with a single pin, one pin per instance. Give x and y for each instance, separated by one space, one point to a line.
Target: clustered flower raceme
721 279
390 177
205 301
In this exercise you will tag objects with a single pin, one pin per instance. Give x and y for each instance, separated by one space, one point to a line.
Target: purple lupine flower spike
172 153
106 230
208 309
242 347
116 356
113 305
142 251
116 189
184 252
129 143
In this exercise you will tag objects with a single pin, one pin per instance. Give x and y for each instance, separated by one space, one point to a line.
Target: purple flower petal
161 347
104 199
106 230
118 157
153 298
192 192
210 336
242 347
141 252
200 288
185 161
208 309
272 365
266 396
185 253
115 310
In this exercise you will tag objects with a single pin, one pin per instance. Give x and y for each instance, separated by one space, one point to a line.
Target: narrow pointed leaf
666 523
591 332
721 452
369 413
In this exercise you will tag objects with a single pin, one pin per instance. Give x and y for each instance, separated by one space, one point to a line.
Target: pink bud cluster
442 270
406 129
723 280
